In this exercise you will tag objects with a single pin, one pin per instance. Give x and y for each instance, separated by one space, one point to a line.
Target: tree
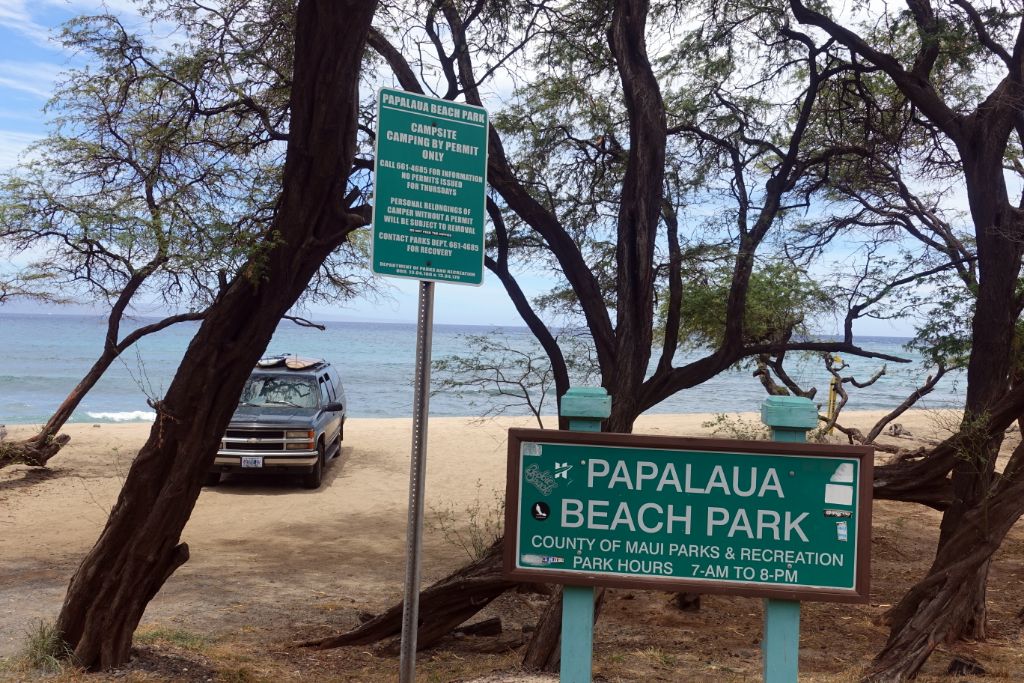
592 166
873 283
932 57
586 192
141 194
781 299
140 545
509 375
22 287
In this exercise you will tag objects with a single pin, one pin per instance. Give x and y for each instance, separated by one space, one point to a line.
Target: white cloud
15 16
12 144
34 78
94 6
23 17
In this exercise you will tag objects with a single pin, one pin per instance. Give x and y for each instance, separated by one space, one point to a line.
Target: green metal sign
748 518
429 188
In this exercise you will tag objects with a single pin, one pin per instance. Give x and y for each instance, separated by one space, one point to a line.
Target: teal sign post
789 418
777 520
429 189
586 408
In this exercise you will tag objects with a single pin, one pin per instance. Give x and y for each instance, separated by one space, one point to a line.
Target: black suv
290 419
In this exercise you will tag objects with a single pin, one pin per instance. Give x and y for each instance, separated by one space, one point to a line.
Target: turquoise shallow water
44 356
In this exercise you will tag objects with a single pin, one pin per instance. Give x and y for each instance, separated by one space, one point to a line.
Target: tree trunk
444 606
998 231
139 547
936 608
71 401
639 212
544 651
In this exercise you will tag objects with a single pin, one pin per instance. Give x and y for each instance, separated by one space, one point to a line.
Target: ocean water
42 357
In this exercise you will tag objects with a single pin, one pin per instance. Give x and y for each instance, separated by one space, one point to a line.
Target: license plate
255 461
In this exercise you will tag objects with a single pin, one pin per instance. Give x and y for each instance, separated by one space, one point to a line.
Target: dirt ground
273 564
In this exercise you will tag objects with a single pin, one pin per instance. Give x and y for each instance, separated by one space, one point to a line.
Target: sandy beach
272 563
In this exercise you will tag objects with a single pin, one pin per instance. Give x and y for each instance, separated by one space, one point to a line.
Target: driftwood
33 451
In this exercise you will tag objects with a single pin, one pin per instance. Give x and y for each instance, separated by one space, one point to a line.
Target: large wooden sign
781 520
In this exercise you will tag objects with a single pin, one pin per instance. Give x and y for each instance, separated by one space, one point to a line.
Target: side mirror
334 407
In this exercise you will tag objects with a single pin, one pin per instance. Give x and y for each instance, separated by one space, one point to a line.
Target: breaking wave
129 416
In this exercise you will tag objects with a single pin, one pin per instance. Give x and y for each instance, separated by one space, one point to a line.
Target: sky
31 60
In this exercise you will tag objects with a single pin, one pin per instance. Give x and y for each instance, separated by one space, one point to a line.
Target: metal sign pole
417 470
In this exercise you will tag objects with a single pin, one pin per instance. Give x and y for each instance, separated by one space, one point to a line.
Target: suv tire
212 479
314 478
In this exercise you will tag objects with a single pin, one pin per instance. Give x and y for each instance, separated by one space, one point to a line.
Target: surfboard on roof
290 362
299 363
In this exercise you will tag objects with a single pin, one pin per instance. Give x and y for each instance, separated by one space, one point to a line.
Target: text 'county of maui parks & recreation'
429 188
781 520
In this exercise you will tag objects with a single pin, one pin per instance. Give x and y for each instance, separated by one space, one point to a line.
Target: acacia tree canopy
626 144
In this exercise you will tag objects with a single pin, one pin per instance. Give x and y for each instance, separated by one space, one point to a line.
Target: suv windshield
278 390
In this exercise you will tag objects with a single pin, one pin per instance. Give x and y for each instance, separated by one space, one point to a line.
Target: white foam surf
129 416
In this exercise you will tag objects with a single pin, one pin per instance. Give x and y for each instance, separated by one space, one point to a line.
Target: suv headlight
306 444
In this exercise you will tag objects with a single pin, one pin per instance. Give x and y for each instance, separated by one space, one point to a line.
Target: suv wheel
313 479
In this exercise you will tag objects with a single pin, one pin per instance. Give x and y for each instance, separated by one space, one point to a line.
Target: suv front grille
254 434
253 440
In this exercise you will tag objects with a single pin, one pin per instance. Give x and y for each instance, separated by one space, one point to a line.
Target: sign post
789 418
585 407
417 475
428 224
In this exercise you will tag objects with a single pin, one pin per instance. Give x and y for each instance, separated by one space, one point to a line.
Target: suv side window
325 397
335 379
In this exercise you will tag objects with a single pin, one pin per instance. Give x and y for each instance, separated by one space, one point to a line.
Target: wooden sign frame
862 514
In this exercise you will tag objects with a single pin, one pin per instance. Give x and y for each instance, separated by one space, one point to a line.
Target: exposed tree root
443 606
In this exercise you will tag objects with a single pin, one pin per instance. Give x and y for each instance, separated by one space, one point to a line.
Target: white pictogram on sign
839 490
